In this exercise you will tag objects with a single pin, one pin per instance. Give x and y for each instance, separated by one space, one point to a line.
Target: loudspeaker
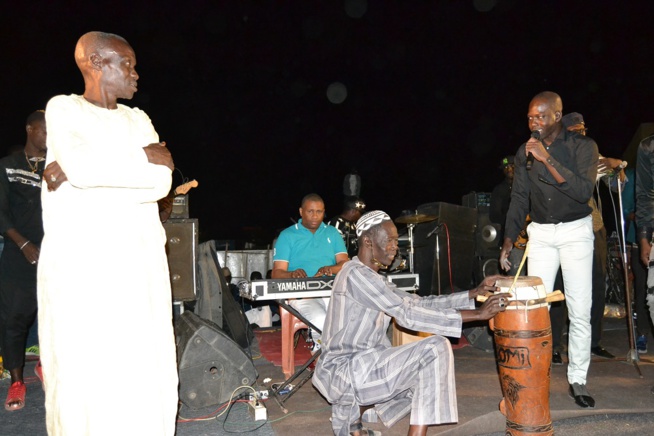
486 266
487 234
210 364
181 249
235 323
480 337
450 248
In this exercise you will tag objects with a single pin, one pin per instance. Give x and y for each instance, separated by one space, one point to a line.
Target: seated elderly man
360 370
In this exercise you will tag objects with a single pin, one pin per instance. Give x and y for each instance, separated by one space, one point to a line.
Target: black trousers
17 305
640 291
600 256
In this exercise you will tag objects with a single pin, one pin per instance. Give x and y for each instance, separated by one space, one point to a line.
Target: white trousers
315 310
650 285
570 246
261 316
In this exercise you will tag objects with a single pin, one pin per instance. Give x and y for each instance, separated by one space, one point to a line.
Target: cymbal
415 218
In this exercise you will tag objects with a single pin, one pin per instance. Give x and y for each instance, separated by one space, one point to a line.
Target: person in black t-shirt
22 228
345 223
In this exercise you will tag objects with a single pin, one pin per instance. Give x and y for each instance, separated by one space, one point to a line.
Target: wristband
23 246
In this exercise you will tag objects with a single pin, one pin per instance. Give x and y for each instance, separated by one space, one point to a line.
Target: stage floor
615 384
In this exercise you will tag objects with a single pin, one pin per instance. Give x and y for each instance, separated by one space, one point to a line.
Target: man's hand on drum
491 307
485 287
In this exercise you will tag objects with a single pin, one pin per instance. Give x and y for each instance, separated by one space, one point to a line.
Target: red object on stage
270 344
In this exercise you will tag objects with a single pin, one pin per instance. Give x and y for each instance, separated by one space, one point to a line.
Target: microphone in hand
530 157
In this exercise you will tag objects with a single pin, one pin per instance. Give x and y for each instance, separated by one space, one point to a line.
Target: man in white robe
105 319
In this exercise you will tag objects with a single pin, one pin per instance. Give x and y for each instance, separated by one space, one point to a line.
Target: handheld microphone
530 156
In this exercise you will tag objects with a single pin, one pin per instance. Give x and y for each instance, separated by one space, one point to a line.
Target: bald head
544 115
93 43
552 99
107 63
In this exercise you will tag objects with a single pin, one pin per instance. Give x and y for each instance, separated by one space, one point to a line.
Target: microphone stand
437 255
632 354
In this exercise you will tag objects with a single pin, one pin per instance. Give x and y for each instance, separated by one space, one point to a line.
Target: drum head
528 293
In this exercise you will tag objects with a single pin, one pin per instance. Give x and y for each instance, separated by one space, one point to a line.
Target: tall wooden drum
523 350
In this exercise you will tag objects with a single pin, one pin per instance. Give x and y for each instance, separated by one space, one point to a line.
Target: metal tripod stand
632 355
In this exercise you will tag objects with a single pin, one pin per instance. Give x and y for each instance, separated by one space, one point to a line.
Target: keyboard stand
303 374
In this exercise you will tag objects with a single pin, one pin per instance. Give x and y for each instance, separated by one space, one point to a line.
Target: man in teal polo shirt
310 248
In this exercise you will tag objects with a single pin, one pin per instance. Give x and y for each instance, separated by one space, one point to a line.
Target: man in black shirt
501 195
555 192
345 223
22 228
607 168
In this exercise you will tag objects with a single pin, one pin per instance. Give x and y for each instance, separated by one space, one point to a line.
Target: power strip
258 410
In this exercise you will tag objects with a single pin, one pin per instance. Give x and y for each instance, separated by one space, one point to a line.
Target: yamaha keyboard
282 289
309 287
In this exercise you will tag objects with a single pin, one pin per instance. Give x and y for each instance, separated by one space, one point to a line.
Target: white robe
105 305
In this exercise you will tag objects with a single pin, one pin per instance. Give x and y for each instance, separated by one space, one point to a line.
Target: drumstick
554 296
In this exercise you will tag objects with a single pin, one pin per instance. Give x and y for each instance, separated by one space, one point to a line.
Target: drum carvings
523 350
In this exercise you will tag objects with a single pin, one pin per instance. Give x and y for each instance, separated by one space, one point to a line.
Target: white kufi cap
371 219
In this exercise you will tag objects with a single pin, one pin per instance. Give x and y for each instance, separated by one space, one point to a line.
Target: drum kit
411 220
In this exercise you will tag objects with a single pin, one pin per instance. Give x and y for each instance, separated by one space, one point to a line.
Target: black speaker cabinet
487 234
449 251
486 266
210 364
480 337
181 249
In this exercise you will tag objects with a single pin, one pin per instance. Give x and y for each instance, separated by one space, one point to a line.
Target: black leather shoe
581 396
556 358
601 352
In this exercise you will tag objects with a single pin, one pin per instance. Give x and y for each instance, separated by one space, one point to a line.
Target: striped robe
358 365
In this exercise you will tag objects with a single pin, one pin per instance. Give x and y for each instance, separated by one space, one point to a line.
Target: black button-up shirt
645 188
536 192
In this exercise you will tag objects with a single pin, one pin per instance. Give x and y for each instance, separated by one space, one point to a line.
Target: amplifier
479 200
406 282
181 249
180 207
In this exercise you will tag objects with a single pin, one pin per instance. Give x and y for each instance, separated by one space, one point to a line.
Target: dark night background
437 91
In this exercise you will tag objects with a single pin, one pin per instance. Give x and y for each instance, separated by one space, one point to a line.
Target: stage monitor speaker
235 323
480 337
433 256
210 364
181 249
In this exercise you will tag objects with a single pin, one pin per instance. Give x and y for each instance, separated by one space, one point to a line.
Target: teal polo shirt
308 251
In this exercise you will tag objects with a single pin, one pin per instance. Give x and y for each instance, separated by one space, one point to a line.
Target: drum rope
515 279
